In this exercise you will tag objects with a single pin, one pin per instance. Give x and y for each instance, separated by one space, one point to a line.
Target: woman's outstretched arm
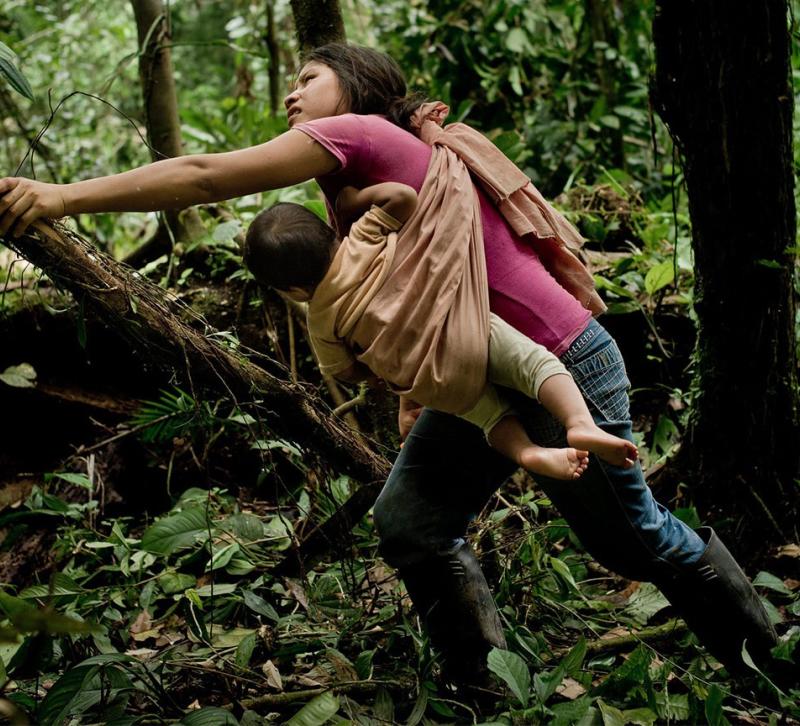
177 183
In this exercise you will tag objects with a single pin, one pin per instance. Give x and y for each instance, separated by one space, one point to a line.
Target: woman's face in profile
317 94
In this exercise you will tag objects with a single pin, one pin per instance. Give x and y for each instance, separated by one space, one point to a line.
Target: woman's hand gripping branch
23 201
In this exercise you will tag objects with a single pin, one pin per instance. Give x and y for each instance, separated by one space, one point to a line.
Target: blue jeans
446 473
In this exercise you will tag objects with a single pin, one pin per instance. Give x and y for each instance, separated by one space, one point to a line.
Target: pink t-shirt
372 150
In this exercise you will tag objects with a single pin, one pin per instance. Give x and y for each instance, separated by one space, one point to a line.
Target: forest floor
143 527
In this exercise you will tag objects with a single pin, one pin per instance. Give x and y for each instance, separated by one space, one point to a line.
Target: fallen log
152 320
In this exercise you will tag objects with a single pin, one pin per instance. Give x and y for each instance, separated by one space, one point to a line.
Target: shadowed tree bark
274 52
722 85
160 104
317 22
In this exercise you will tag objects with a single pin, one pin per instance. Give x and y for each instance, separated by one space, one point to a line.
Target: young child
290 248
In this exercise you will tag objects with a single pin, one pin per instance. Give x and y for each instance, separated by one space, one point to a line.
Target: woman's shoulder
357 123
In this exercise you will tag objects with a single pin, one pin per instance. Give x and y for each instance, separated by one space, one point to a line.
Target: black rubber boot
719 604
458 610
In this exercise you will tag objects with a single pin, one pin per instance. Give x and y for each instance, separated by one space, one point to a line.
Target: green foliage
12 74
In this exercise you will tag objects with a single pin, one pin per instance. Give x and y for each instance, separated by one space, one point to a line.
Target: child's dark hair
288 246
371 81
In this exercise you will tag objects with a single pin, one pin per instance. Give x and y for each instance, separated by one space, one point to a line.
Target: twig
603 645
346 406
292 343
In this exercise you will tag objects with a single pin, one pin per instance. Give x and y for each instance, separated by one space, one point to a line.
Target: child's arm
356 372
399 200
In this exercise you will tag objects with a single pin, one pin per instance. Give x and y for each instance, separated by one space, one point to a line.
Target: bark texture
722 85
160 104
156 327
317 22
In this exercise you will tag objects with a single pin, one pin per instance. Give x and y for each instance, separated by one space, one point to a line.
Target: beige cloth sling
415 308
415 311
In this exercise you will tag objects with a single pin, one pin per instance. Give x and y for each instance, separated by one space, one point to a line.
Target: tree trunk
722 85
154 324
160 103
273 50
317 22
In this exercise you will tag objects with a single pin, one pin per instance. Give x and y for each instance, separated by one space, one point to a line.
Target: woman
446 472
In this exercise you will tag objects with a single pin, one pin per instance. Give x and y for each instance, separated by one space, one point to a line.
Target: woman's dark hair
288 246
371 81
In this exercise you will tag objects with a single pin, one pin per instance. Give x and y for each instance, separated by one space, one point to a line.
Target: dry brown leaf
145 635
788 550
143 622
273 675
570 689
297 592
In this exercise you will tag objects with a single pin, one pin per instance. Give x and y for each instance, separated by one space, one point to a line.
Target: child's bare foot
565 463
612 449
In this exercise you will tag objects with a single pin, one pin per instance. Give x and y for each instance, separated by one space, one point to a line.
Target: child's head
288 246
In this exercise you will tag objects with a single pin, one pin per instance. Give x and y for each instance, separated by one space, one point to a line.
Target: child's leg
510 439
515 361
561 397
505 434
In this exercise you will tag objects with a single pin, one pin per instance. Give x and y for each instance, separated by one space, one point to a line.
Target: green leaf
770 264
570 712
316 712
176 531
672 706
765 579
562 569
172 582
61 585
713 707
244 651
247 527
573 660
513 671
632 673
688 515
226 231
318 207
70 477
516 40
21 376
659 276
258 605
6 52
612 716
645 602
82 688
419 709
15 78
27 618
209 716
222 556
639 716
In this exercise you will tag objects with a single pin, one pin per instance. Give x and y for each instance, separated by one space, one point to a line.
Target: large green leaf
513 671
27 618
176 531
317 711
82 688
61 585
12 74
